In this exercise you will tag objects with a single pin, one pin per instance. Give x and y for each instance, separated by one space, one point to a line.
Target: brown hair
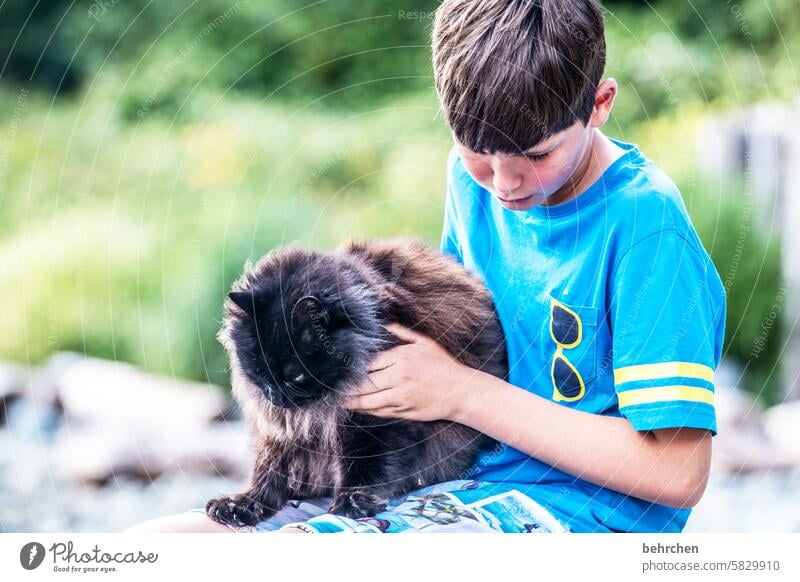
510 73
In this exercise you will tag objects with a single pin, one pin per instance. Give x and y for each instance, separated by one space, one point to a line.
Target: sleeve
667 317
449 241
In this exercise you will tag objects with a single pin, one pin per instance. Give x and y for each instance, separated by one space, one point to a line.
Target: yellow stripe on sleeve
665 370
665 394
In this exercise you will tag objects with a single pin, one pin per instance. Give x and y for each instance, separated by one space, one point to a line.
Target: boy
612 310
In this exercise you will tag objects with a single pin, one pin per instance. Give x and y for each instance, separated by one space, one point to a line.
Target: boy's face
547 173
525 180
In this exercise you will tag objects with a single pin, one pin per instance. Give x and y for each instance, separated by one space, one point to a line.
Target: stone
99 454
117 394
122 422
742 443
782 423
12 386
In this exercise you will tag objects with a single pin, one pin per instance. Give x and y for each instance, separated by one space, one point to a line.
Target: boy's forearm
604 450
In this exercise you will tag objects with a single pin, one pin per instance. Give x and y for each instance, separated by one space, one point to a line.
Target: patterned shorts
454 506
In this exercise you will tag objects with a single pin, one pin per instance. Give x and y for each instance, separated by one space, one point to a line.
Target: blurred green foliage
150 148
747 256
122 240
749 263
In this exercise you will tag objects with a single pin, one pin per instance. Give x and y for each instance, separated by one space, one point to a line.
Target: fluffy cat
301 328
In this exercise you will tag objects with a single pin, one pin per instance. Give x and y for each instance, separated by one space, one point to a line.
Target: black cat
301 328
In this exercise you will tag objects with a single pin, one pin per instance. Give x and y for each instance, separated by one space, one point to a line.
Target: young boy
612 310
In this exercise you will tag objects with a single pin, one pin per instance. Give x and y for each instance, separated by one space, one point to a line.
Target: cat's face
304 327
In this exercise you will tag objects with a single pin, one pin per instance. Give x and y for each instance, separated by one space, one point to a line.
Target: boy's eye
537 157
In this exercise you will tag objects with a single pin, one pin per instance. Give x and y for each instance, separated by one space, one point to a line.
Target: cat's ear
309 310
245 300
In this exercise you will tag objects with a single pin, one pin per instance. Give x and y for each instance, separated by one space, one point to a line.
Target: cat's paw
237 511
356 504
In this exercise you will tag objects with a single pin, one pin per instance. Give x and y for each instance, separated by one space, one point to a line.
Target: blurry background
147 149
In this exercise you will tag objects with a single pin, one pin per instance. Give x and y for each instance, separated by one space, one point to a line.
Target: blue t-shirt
609 305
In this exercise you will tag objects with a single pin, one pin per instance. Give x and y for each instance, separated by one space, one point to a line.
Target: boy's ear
604 97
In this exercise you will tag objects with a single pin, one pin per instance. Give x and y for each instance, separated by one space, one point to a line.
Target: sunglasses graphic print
566 329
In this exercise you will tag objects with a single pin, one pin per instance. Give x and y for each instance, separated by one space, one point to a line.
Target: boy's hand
415 381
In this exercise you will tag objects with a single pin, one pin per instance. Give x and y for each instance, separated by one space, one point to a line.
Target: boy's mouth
518 203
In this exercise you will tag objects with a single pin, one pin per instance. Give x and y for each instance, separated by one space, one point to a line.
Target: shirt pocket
569 337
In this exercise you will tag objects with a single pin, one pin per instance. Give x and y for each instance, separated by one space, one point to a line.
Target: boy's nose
505 183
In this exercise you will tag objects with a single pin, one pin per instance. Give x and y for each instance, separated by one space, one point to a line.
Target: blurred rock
764 502
91 445
120 421
98 454
29 418
12 386
117 394
44 379
50 505
742 443
782 424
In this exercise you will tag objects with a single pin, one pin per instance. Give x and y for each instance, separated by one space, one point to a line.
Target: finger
387 412
370 402
383 360
406 334
383 379
368 386
365 386
397 355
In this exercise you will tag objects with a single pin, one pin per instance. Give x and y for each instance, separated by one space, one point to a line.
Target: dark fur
301 328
